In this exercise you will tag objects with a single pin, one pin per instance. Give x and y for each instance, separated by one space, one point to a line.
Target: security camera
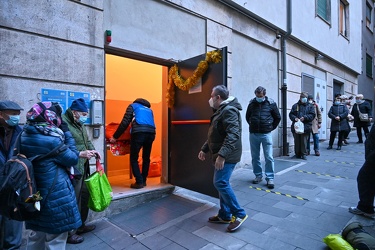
278 35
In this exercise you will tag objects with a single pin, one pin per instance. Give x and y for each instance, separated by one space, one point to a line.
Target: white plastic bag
299 127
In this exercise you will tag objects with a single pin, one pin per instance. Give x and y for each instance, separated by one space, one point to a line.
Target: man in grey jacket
224 144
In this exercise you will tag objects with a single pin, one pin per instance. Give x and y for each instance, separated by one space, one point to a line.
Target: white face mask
311 101
211 102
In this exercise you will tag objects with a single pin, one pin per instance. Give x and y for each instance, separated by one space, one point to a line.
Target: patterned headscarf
46 117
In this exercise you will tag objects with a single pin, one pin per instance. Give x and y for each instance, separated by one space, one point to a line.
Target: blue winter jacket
59 211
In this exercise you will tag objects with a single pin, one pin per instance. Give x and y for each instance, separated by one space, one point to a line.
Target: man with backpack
11 230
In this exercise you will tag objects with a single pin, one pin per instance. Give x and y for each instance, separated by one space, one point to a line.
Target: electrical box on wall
97 112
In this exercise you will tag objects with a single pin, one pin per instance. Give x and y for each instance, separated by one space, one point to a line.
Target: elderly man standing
361 106
75 117
263 116
304 112
224 144
11 230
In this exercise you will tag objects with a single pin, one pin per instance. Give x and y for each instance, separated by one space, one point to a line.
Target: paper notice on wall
197 88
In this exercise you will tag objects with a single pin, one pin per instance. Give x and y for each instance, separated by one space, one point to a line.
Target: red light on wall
108 34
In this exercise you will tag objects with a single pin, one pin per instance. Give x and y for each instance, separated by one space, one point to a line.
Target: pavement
310 201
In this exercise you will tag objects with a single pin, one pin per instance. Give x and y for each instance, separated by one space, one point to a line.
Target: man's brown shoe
74 239
85 229
317 153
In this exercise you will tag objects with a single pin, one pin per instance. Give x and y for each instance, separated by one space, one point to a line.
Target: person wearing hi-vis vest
143 131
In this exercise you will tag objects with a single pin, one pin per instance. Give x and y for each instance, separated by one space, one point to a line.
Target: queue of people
65 223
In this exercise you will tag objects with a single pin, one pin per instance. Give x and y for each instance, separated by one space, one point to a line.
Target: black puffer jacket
224 133
304 110
342 111
262 117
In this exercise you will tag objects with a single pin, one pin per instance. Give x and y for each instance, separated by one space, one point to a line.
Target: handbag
99 188
299 127
363 116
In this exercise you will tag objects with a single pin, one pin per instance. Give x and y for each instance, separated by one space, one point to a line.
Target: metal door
189 122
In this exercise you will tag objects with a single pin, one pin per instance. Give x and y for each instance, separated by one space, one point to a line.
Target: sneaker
235 223
257 180
303 157
217 219
317 153
136 185
355 210
270 184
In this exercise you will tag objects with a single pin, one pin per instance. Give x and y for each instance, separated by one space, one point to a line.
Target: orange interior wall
127 80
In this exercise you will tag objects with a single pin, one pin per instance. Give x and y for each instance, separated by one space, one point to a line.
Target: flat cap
9 105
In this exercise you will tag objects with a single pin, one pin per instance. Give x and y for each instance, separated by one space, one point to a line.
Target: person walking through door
304 112
139 114
263 116
11 230
361 106
225 146
338 114
75 117
365 180
315 126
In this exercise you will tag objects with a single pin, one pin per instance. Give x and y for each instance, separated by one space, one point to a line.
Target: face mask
13 120
82 119
211 102
304 100
358 101
337 103
259 99
311 102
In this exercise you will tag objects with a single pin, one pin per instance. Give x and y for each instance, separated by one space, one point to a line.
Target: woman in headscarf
364 107
59 212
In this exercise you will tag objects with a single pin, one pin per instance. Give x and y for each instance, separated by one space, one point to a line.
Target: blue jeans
229 205
316 142
11 233
266 140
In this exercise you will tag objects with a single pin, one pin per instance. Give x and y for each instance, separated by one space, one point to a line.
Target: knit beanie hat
310 97
304 94
79 105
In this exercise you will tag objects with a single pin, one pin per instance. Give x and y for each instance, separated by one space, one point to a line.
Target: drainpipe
284 86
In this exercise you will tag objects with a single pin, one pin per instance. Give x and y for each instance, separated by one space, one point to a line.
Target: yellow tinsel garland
174 77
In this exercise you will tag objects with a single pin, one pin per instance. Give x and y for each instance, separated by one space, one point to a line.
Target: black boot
338 148
329 147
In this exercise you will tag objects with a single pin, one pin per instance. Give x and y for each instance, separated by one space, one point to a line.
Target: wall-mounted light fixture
318 57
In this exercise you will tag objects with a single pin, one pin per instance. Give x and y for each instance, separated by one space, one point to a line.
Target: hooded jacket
80 136
140 116
59 211
224 133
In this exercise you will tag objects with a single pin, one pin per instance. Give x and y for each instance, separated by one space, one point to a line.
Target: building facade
285 46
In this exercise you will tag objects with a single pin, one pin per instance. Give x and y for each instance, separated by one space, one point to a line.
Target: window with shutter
323 9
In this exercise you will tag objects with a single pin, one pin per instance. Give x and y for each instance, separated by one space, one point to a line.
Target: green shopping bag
99 188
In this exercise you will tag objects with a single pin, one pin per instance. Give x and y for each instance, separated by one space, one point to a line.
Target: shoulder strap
358 109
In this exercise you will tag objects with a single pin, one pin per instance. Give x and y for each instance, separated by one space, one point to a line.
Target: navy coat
59 211
342 111
304 110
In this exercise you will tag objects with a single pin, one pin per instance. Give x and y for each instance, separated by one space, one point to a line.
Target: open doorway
126 80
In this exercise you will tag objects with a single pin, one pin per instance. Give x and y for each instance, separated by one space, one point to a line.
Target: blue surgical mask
338 103
82 119
304 100
13 120
358 101
260 99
